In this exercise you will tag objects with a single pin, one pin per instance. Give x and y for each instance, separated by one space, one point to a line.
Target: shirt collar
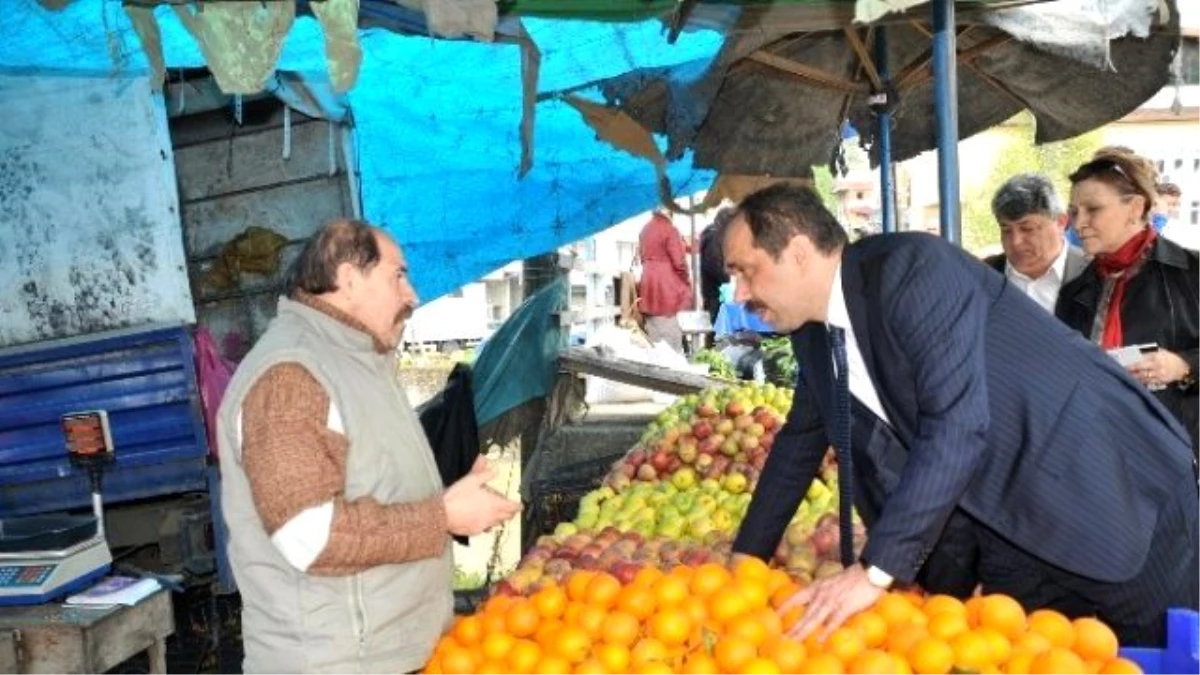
837 314
1057 268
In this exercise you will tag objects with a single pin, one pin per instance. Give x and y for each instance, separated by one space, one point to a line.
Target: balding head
360 270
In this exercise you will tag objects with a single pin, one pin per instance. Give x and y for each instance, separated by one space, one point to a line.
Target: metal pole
887 176
945 103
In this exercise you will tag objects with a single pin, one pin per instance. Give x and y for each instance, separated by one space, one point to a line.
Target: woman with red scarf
1140 288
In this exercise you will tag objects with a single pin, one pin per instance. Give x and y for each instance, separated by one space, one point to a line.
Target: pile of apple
622 554
717 433
682 508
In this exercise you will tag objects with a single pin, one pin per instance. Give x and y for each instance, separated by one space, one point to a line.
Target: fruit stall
639 578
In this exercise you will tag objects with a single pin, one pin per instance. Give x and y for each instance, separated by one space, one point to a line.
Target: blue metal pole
945 102
887 182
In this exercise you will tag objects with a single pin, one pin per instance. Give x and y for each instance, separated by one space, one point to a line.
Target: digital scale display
24 575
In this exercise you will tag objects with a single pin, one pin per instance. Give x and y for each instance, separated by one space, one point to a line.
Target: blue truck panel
145 378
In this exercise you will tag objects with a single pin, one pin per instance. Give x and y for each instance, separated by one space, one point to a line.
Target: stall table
59 638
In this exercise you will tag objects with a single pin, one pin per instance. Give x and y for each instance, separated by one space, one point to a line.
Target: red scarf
1119 262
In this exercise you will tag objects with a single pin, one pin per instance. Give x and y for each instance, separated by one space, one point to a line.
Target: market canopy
465 157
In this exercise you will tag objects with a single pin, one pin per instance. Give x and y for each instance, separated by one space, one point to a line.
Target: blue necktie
840 438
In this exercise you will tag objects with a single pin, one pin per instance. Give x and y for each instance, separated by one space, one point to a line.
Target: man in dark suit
1037 257
984 441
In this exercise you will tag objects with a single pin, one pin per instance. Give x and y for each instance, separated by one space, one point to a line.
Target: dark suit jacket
1076 262
998 409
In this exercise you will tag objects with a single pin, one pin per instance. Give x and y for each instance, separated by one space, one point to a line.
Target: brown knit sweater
294 462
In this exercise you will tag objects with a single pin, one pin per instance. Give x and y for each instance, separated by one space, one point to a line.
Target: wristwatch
877 577
1188 380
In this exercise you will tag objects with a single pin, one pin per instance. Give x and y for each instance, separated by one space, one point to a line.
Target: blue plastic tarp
437 126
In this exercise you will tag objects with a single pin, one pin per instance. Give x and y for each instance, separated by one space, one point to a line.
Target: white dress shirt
1044 289
861 386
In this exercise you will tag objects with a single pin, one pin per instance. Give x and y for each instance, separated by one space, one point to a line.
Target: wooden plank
584 361
248 162
294 211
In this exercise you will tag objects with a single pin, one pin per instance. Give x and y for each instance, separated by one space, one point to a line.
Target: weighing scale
47 556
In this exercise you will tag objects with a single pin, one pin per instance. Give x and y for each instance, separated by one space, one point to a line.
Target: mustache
755 306
405 314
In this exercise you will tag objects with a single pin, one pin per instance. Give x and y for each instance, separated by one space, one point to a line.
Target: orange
577 584
572 643
647 576
591 666
946 625
1120 666
760 666
901 639
999 645
696 610
733 652
931 656
872 661
646 651
769 620
1053 626
615 658
591 619
433 666
1003 614
871 626
784 593
602 590
496 646
895 608
524 656
1034 643
791 617
1094 640
494 622
844 643
974 605
972 651
788 654
725 604
671 626
550 602
653 667
498 604
522 618
777 579
938 604
747 626
636 600
752 569
708 578
1056 660
468 630
699 663
754 593
620 628
552 664
458 660
670 591
546 631
1018 663
821 663
493 667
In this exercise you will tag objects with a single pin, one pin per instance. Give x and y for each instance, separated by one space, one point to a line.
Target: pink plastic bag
214 373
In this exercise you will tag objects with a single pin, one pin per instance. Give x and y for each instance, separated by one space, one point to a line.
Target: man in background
1037 257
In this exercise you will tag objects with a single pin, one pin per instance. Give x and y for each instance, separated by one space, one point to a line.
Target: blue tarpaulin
437 125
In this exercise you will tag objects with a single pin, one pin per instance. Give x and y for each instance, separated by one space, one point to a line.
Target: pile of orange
709 619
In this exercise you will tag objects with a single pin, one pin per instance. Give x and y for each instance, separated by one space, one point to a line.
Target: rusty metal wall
232 177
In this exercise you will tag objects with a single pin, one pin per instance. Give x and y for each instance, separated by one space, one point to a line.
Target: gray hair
1023 195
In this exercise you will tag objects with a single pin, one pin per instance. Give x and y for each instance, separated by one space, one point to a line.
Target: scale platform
45 557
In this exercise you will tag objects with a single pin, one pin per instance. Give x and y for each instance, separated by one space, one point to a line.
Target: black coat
1160 306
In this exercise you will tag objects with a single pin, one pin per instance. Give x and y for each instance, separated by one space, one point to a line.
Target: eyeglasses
1099 166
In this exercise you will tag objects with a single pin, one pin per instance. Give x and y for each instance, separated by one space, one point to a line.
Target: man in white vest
338 521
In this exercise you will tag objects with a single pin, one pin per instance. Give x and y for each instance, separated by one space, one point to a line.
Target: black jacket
1160 306
712 271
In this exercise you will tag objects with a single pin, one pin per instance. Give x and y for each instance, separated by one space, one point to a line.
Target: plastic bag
213 373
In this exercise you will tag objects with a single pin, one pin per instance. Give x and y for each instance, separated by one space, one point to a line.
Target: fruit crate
555 498
1182 654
